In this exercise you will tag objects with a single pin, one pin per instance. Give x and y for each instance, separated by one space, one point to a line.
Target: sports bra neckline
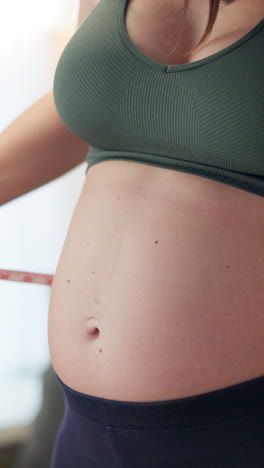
149 61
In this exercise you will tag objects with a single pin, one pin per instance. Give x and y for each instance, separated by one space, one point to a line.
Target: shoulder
85 9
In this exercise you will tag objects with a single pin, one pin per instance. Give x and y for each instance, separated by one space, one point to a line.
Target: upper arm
85 8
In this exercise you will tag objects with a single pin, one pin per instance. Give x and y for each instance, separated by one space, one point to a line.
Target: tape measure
26 277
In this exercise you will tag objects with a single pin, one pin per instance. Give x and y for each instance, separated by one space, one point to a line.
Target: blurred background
32 227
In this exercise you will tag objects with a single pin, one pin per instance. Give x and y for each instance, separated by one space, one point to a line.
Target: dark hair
214 7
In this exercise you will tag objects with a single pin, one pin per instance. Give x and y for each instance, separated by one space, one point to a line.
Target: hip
224 428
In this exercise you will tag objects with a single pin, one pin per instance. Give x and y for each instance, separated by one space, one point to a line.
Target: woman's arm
36 148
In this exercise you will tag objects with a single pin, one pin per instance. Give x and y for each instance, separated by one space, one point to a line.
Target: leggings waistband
231 402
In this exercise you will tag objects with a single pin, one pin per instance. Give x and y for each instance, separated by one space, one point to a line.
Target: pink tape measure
26 277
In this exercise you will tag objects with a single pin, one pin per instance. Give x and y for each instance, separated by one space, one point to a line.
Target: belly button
93 331
92 327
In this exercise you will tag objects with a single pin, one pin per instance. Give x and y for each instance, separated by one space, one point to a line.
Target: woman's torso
158 292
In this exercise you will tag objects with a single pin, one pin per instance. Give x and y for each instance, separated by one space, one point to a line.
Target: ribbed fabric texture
204 118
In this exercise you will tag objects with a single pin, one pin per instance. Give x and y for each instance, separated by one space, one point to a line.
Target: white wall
32 227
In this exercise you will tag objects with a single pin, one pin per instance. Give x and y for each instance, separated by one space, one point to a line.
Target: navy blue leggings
218 429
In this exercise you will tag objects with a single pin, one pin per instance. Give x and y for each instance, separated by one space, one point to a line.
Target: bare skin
158 292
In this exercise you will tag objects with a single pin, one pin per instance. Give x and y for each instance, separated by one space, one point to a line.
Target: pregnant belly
158 292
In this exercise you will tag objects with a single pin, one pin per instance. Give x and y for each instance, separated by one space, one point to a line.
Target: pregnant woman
156 317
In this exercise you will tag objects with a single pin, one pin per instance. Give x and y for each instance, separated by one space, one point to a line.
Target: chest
155 26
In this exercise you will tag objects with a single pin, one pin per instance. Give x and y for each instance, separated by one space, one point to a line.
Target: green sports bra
204 117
